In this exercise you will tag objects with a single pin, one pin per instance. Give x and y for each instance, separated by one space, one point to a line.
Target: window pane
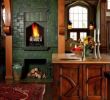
75 17
71 10
84 10
84 16
71 16
4 16
80 9
78 15
73 35
80 18
109 5
83 35
80 24
75 24
84 24
75 10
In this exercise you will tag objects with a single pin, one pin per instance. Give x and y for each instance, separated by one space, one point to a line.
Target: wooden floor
48 92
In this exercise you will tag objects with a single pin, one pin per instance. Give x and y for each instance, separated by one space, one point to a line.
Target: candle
94 35
98 40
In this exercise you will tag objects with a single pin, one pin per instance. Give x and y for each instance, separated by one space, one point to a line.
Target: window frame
78 30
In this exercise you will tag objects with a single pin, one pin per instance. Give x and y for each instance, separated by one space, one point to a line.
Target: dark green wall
19 8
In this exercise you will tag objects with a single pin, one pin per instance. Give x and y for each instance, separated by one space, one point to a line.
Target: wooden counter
72 58
77 79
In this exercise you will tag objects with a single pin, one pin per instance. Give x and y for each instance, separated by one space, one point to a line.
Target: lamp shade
91 26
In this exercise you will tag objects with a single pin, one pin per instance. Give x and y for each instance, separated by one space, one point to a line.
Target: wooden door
70 82
94 82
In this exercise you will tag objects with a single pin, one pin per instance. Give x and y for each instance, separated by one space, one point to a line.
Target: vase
83 53
87 52
17 69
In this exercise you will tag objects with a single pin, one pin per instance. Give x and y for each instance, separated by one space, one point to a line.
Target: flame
35 30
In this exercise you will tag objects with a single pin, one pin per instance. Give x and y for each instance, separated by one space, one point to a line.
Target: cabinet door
70 82
93 82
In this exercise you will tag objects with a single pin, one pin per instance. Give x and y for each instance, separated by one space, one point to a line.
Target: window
3 14
82 35
73 35
78 17
108 4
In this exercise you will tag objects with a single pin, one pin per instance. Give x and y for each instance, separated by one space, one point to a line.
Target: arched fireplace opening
34 35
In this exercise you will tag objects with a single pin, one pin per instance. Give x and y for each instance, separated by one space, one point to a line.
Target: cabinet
68 81
79 81
94 83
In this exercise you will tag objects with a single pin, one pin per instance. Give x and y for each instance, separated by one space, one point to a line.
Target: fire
35 31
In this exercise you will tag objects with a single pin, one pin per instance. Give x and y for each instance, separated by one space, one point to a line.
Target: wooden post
61 26
8 52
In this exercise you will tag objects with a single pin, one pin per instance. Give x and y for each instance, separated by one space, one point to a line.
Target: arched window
78 16
108 4
4 15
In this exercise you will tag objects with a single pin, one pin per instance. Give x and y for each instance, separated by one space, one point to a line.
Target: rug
22 91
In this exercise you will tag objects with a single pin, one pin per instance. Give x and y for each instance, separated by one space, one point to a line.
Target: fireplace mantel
40 48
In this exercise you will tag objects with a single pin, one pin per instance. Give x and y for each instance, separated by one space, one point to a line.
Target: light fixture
91 26
69 24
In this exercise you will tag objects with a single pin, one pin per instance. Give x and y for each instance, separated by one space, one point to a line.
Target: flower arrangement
89 44
87 41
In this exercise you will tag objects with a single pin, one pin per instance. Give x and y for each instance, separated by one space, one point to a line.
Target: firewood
32 70
44 76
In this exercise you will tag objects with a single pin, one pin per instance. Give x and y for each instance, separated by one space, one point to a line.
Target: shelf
38 48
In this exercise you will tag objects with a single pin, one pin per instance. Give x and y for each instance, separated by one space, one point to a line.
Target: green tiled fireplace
26 12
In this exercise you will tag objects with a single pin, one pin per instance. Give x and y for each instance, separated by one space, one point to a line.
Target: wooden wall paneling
108 36
103 27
